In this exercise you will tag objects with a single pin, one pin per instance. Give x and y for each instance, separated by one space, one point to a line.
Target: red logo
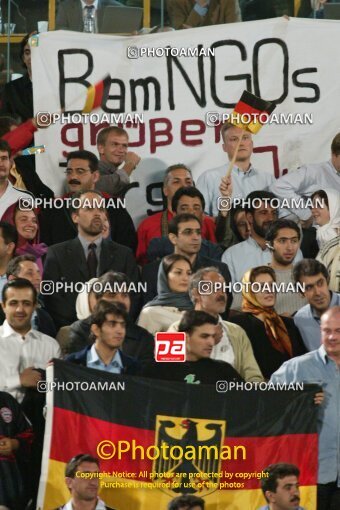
170 346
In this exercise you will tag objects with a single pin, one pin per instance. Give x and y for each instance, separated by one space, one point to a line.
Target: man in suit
82 174
83 490
108 327
82 258
71 13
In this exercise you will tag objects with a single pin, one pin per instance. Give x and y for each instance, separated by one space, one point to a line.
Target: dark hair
277 225
76 196
4 147
103 308
104 133
170 260
335 147
22 45
188 191
233 213
109 279
19 283
87 156
322 194
309 267
181 218
6 122
275 472
73 464
177 166
192 319
8 232
187 501
13 266
257 195
255 271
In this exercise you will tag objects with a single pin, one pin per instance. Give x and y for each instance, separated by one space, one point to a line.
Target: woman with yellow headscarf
274 338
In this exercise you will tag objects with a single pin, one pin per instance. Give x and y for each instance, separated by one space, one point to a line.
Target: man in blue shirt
108 327
315 278
322 367
280 487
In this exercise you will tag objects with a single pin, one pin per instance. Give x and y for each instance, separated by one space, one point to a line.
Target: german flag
141 428
96 93
251 112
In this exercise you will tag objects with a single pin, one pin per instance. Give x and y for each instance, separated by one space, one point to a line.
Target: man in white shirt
309 178
8 193
84 490
24 352
254 251
244 177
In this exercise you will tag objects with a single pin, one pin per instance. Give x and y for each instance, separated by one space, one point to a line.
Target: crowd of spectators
272 311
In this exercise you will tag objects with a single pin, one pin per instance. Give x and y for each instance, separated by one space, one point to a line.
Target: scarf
275 328
165 297
331 229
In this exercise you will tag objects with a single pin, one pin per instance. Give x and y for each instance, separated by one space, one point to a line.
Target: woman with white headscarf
326 214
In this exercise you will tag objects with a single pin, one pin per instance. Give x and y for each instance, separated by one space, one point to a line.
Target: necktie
89 19
92 261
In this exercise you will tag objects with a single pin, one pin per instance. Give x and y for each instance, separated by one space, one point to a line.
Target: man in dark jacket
80 259
113 287
108 326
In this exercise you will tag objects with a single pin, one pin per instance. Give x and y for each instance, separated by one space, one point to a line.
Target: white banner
295 63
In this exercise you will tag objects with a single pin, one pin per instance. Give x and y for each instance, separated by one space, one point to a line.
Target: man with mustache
254 251
82 174
231 342
82 258
280 487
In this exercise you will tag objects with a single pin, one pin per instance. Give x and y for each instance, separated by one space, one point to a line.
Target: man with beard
244 177
232 344
283 239
82 258
253 251
315 278
82 174
280 487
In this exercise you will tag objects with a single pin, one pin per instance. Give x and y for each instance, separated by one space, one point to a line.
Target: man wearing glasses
84 491
82 174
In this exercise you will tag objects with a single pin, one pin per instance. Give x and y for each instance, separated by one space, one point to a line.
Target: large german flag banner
158 439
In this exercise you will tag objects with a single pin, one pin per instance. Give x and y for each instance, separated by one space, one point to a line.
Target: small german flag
251 112
96 93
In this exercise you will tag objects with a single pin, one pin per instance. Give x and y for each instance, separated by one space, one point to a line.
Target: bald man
322 366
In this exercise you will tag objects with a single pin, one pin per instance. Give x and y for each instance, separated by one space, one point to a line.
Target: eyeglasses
77 171
191 231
